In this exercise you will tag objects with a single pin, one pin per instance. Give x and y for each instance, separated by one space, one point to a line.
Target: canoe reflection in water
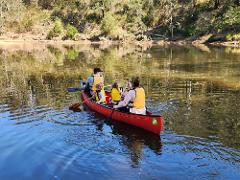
135 139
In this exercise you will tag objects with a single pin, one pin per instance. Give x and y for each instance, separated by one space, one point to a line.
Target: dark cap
96 70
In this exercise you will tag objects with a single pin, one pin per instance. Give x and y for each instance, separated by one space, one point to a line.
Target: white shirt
128 98
101 97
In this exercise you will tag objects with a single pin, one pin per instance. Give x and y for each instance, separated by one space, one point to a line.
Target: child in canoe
100 94
115 93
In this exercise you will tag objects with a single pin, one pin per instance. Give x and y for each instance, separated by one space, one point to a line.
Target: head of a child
115 85
99 86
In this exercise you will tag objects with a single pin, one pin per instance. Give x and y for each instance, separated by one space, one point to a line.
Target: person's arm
124 89
101 97
129 97
89 82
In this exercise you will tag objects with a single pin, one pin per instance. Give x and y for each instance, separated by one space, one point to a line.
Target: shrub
109 24
57 29
232 37
191 31
50 34
232 16
229 37
236 37
27 24
71 31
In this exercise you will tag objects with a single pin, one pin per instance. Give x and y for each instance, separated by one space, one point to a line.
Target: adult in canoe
93 80
127 87
135 99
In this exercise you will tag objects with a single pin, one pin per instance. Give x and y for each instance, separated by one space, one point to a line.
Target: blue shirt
90 81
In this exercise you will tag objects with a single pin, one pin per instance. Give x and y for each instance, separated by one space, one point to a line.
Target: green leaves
71 31
109 24
232 16
57 29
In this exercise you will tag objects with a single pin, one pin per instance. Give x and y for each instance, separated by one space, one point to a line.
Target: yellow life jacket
97 96
115 94
96 80
139 101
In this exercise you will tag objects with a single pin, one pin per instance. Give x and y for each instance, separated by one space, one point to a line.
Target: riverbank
104 41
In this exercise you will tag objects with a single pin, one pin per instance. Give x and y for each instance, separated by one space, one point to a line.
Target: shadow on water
133 138
136 140
151 140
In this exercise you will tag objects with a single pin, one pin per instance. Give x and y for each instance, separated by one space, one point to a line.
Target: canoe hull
151 123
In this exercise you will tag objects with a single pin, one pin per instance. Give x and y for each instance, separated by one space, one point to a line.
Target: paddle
76 107
75 89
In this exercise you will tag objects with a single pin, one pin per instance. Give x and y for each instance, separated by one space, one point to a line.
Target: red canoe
149 122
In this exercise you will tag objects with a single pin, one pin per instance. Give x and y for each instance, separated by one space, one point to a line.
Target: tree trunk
216 3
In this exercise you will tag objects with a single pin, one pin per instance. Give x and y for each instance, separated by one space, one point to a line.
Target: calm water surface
197 90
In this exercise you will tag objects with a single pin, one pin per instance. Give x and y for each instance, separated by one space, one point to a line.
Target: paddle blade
76 107
73 89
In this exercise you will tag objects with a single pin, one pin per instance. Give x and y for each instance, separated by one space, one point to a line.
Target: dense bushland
120 20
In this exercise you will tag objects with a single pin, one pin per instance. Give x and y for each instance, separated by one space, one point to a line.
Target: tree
10 8
109 25
170 7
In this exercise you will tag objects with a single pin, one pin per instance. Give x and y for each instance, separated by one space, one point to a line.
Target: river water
197 91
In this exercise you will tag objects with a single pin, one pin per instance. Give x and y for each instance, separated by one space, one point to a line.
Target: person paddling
127 87
134 99
93 80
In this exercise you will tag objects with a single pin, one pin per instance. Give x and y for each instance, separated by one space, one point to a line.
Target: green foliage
71 31
57 29
232 16
229 37
191 31
72 54
109 24
236 37
121 19
232 37
135 16
27 24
